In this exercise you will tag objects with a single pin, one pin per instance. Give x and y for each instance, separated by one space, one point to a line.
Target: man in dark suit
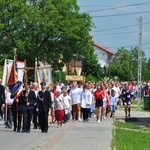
43 107
29 99
2 98
17 107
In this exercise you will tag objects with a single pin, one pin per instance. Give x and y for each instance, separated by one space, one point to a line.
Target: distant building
104 55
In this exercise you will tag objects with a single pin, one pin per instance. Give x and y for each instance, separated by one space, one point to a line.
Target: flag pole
6 91
6 88
15 55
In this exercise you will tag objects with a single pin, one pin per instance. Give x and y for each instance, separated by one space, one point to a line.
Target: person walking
86 101
75 94
113 102
29 98
43 107
17 107
99 95
35 113
67 101
127 101
2 99
105 101
59 107
9 102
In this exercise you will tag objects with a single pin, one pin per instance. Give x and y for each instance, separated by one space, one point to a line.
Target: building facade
104 55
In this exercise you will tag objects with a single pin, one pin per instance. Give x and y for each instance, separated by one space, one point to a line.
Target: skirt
99 103
59 115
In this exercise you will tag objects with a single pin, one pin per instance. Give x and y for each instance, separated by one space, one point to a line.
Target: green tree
125 64
51 30
91 67
120 66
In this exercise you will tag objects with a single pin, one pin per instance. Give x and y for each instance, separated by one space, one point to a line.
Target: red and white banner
9 74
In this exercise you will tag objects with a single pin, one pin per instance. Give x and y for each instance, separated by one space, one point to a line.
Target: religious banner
78 70
74 78
8 64
43 73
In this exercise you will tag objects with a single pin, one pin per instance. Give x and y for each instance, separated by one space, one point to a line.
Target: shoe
98 121
8 126
128 115
79 119
14 129
28 131
35 128
18 130
23 131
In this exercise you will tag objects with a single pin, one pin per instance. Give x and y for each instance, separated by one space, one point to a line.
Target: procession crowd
61 102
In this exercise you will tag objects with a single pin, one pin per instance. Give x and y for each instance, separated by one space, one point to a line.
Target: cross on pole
26 69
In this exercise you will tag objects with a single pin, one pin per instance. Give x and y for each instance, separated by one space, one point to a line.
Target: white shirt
9 101
117 91
67 99
86 99
75 94
113 100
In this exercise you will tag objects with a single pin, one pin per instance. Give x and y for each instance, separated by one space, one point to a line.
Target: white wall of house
102 56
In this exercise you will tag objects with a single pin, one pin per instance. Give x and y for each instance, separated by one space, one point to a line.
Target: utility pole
139 63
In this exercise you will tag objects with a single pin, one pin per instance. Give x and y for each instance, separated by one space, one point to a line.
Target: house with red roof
104 55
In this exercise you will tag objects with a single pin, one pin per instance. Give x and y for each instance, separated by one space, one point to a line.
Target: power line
118 27
130 45
118 7
113 15
115 33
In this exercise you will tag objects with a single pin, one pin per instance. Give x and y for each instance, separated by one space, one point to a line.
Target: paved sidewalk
90 135
74 135
82 136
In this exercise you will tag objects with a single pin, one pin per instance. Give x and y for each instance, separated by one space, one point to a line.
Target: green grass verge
119 124
131 140
130 137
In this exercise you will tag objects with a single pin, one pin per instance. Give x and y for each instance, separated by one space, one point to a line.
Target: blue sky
117 22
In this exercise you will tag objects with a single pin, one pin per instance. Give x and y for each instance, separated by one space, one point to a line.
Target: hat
43 84
15 88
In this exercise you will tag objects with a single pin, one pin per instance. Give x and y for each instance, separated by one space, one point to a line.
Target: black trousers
35 118
27 116
43 120
9 116
1 112
85 112
17 118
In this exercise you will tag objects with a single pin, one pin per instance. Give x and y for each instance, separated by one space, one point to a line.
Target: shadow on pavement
141 121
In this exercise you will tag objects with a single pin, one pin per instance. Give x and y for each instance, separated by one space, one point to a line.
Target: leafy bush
90 78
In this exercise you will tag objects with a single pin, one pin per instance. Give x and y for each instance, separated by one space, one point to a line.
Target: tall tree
51 30
125 64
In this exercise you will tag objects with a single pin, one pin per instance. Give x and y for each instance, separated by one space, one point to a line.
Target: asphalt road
10 140
74 135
